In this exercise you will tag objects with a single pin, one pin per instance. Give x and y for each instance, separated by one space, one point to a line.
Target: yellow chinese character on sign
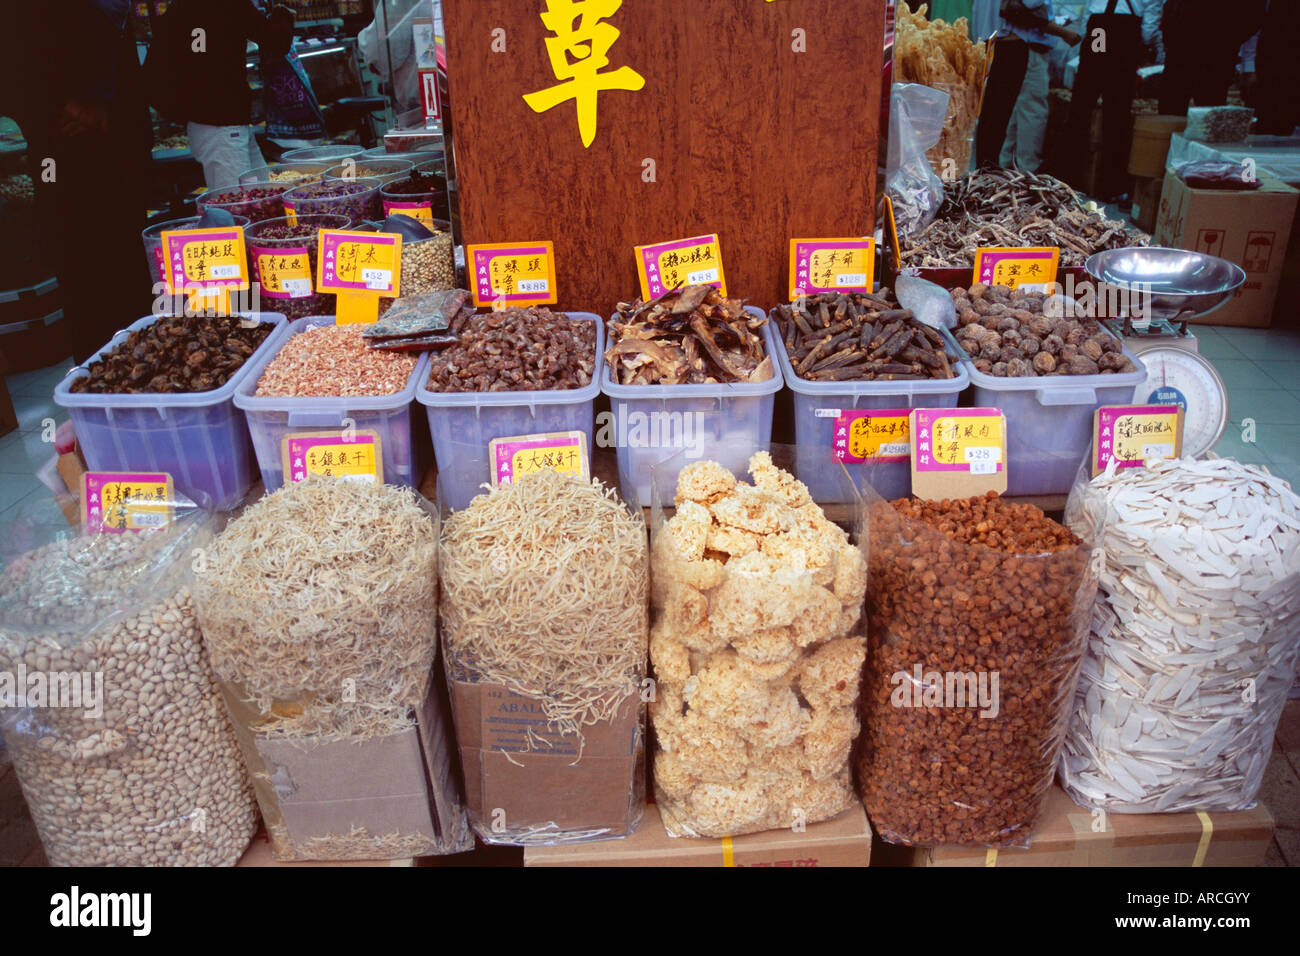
588 45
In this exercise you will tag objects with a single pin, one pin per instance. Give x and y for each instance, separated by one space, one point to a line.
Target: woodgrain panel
750 139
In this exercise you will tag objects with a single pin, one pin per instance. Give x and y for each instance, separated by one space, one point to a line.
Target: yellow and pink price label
114 502
831 265
663 266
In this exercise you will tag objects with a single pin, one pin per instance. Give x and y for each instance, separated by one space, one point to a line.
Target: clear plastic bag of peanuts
977 611
117 732
756 641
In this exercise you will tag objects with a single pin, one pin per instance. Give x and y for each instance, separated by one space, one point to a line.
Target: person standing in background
1201 40
196 70
73 85
1026 25
1277 71
1113 49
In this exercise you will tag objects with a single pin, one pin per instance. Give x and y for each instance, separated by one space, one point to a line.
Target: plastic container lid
315 154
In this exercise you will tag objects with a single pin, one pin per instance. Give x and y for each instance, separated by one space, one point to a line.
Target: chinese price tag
509 274
355 456
682 262
206 264
422 211
565 452
868 434
958 452
1032 268
284 272
1135 434
113 502
831 265
359 267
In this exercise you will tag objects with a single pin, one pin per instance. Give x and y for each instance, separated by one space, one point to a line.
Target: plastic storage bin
358 199
271 419
385 170
287 174
257 201
321 154
1049 421
152 237
816 412
294 299
463 423
200 439
727 423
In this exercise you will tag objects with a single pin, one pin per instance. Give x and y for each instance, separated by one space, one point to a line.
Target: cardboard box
310 787
1070 835
1151 135
1248 227
843 841
259 854
524 786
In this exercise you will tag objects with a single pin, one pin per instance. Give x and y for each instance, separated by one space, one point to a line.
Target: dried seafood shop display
176 354
517 350
1003 207
859 337
757 597
1194 639
1015 333
318 608
687 336
977 613
143 769
544 586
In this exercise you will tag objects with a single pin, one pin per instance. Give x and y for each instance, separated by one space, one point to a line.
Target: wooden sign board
756 121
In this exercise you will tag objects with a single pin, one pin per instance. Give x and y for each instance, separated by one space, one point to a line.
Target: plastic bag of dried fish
1194 639
756 649
977 615
916 115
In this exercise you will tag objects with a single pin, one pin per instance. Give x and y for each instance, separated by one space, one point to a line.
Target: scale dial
1178 377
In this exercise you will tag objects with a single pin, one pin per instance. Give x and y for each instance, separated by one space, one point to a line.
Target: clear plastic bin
1049 421
727 423
289 174
817 406
358 199
463 423
321 154
200 439
398 195
257 201
152 237
296 303
385 170
270 419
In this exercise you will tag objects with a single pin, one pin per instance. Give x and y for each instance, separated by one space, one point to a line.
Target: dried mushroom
176 354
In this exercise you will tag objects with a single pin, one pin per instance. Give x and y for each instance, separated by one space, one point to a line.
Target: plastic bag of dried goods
977 612
756 645
544 633
1194 639
1219 124
111 716
916 117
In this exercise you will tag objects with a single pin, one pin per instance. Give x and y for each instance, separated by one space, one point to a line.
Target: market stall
628 522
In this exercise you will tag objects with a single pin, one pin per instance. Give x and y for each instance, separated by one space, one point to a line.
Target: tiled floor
26 449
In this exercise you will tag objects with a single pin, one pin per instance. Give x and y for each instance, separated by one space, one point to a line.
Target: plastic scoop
929 303
212 218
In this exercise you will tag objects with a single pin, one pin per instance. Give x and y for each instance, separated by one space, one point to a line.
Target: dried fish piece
1208 693
687 336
